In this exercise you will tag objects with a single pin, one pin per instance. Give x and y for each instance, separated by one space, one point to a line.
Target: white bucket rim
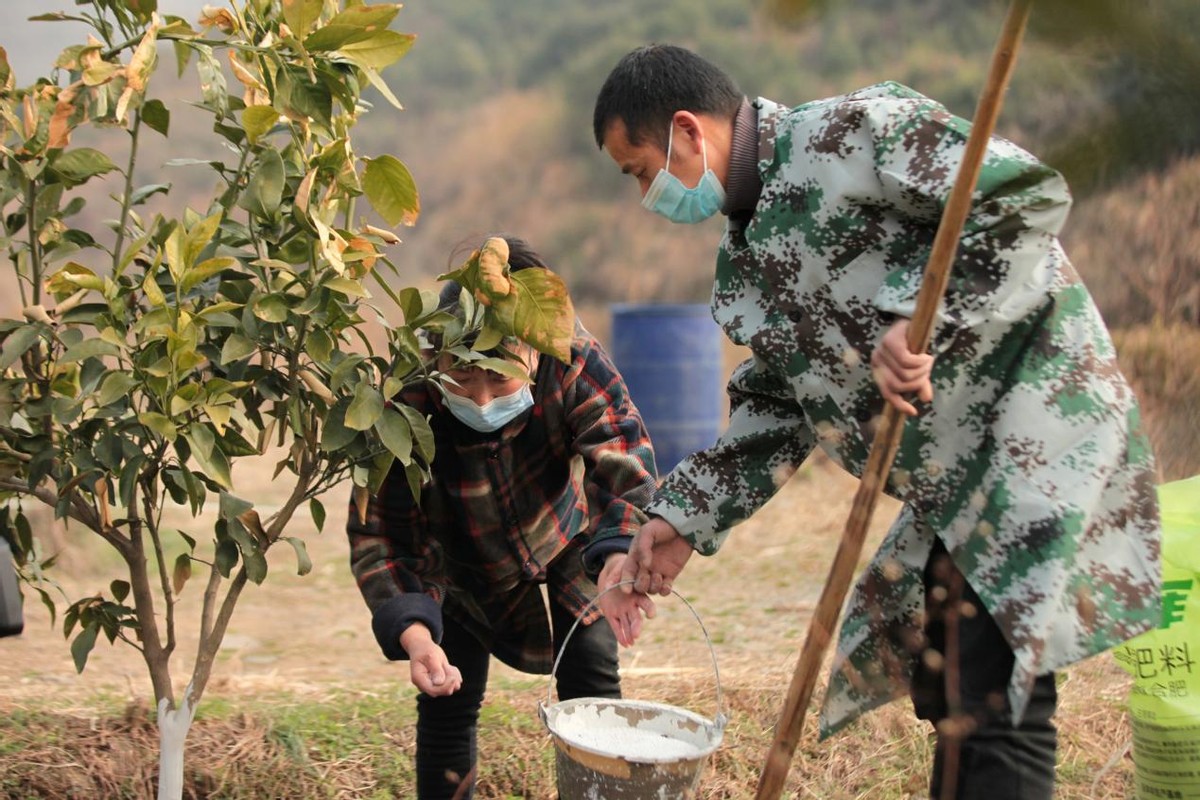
714 729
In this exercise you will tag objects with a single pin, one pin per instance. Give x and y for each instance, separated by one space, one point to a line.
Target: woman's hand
623 611
899 371
429 669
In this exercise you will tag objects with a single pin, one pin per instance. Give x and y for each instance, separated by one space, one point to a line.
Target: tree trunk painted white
173 726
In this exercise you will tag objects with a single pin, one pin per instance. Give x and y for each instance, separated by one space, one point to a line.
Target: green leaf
381 86
335 435
212 80
366 407
390 188
271 308
227 556
209 455
317 510
143 193
76 166
236 347
90 348
129 477
264 192
159 423
303 562
319 345
511 369
115 386
120 590
343 371
17 343
183 54
156 116
381 50
352 25
421 432
258 121
377 470
396 434
415 476
232 506
203 271
200 236
296 93
252 554
300 15
347 286
412 304
82 646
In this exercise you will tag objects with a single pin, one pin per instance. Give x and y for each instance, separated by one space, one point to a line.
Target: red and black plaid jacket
559 487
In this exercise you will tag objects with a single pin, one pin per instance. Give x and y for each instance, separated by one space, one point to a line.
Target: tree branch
157 658
127 196
164 578
210 639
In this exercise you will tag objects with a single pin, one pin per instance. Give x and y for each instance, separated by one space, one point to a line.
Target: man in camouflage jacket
1023 468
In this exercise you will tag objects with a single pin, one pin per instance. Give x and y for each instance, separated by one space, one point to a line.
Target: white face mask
491 416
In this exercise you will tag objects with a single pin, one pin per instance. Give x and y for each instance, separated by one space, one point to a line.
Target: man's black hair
650 84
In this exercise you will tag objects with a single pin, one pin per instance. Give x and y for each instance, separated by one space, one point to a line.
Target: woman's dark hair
648 85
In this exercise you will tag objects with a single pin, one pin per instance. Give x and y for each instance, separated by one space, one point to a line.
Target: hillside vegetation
497 131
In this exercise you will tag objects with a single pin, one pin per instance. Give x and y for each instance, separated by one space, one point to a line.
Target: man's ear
689 132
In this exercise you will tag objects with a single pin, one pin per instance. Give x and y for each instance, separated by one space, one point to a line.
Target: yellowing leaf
301 15
544 315
381 50
258 121
494 280
390 188
159 423
221 18
181 573
203 271
141 65
153 293
362 496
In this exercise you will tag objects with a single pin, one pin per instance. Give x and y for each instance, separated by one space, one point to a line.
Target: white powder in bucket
634 744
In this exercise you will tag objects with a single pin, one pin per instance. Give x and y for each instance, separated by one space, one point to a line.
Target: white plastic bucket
610 749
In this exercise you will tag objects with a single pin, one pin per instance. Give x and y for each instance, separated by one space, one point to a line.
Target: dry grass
1163 364
348 746
303 706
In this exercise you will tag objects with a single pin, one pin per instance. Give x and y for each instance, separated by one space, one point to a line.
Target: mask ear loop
671 141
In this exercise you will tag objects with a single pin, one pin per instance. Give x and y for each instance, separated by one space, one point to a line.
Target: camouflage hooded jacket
1029 463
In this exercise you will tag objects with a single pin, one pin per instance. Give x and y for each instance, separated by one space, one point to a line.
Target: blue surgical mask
491 416
669 197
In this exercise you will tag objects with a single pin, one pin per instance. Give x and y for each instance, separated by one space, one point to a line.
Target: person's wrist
414 636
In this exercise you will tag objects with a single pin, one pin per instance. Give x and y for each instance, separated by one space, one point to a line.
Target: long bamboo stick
887 435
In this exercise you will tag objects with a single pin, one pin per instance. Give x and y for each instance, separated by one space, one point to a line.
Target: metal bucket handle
720 718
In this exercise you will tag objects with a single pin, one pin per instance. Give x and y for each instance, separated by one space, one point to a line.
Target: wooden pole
887 435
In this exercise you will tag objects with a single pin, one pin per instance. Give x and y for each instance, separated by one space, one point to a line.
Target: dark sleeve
608 433
398 566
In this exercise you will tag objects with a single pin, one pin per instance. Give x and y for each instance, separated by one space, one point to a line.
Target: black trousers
980 754
446 749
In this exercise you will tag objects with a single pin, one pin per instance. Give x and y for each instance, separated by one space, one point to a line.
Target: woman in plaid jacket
533 483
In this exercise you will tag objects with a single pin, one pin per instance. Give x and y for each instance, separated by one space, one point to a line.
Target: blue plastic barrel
670 357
